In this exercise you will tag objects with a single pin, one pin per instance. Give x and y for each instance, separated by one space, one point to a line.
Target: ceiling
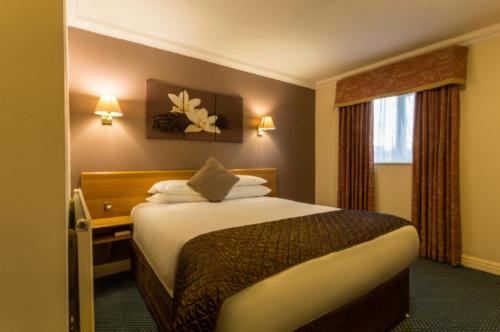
299 41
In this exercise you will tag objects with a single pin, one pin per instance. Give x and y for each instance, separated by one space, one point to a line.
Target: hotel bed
363 287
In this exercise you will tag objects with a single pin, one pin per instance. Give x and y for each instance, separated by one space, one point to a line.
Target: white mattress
322 284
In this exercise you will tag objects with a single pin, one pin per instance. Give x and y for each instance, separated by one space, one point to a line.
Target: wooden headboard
124 190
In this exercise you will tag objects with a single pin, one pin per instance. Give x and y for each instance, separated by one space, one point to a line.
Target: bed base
378 310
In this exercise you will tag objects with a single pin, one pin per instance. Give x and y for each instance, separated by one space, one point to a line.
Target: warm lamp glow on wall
265 124
108 107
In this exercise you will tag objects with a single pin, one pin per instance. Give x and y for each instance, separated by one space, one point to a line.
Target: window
393 129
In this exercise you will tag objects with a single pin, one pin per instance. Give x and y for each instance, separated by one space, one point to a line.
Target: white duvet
322 284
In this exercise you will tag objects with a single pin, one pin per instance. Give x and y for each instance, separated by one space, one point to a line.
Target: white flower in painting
201 122
182 103
199 117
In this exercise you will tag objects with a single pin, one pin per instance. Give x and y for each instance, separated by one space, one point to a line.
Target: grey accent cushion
213 181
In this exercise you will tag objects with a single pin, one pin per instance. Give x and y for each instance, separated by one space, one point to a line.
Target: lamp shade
267 123
108 105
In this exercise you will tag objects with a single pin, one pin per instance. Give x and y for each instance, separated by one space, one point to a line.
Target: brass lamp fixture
265 124
108 107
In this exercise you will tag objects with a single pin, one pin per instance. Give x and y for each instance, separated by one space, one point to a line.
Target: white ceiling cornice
464 40
78 20
303 44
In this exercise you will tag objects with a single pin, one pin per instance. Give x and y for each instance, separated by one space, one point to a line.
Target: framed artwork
174 112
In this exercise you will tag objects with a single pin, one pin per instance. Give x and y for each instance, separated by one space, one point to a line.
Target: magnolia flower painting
182 103
180 113
199 117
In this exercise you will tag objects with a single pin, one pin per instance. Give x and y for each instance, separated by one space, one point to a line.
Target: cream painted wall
33 282
393 189
326 146
480 152
480 157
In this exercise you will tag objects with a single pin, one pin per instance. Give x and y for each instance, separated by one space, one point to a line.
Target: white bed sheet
322 284
161 230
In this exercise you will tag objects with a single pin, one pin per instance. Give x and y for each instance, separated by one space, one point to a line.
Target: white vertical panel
85 265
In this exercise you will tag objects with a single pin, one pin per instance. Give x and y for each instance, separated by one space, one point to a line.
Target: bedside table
111 250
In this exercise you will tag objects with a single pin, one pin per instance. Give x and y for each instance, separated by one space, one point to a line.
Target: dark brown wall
103 65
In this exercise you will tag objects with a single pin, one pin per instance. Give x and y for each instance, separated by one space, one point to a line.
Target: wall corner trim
481 264
467 39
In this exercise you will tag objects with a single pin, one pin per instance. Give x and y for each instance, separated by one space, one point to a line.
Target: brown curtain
436 194
356 173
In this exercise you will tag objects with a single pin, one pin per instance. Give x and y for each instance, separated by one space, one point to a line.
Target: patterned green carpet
443 298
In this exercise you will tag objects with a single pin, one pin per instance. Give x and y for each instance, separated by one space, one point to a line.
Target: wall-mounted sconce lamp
265 124
108 107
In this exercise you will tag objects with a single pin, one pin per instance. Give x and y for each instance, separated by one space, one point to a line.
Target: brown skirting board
375 311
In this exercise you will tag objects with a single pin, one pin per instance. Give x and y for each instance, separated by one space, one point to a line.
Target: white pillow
175 198
247 192
250 180
171 186
235 193
181 186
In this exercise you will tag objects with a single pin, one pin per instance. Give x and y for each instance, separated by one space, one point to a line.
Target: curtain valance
424 72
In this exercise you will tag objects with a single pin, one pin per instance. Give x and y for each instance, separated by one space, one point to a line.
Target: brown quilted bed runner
216 265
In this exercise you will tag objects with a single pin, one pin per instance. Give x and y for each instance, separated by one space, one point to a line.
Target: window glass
393 129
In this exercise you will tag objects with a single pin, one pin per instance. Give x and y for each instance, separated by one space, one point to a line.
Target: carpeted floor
443 298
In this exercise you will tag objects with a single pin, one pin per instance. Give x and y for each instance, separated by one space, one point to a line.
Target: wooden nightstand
111 252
